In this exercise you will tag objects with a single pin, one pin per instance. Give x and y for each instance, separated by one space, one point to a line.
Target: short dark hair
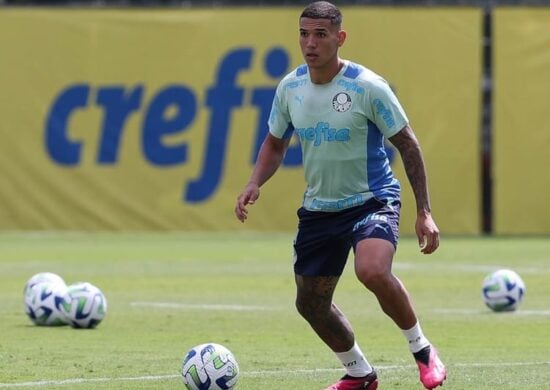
323 10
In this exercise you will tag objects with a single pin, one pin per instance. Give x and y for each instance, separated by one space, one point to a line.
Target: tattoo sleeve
405 141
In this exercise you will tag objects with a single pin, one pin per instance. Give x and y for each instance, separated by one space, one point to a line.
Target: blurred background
148 115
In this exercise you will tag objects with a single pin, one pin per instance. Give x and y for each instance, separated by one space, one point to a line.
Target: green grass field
170 291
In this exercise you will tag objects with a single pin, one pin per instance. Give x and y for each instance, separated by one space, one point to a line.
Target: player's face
319 41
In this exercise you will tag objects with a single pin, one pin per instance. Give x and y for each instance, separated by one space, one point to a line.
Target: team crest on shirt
341 102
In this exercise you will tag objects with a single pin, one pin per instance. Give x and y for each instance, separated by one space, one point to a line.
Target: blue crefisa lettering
340 204
384 112
221 99
295 84
118 103
371 217
171 111
322 132
156 125
352 86
61 149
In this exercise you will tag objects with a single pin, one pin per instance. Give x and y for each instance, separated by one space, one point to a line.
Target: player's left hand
427 233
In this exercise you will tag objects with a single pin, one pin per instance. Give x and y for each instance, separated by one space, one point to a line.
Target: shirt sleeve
388 114
280 125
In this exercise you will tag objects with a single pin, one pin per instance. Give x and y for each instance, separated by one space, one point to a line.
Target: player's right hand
249 196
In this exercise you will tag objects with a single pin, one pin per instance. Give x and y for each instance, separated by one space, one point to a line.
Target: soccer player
342 111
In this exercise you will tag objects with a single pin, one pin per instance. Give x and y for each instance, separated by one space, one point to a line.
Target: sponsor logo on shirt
340 204
322 132
351 86
384 112
295 84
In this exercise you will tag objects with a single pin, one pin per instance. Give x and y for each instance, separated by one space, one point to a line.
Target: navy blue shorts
324 239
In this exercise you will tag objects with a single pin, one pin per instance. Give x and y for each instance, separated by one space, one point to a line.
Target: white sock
416 338
355 362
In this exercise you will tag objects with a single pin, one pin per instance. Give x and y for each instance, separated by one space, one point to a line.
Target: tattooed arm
426 230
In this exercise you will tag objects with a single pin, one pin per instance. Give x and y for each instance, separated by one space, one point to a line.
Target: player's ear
341 37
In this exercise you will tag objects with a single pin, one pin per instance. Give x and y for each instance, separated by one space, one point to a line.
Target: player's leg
314 303
374 245
321 251
373 259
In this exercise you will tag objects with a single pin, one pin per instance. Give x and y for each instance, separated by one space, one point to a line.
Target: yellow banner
521 130
151 119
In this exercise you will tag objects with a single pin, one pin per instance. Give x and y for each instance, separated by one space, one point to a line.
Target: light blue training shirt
341 126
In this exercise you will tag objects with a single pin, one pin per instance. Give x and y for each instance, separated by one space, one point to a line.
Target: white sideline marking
517 313
189 306
89 380
464 267
251 374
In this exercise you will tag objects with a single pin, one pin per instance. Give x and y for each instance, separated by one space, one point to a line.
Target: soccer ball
43 277
87 307
503 290
45 303
210 367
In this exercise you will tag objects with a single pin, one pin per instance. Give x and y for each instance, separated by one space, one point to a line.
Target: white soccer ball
45 303
43 277
503 290
87 307
210 367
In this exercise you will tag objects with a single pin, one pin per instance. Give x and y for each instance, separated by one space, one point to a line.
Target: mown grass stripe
201 306
256 374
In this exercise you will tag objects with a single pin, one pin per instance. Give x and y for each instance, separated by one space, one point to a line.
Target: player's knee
306 310
309 311
301 307
304 307
373 278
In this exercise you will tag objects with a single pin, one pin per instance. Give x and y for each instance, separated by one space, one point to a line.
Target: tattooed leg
314 303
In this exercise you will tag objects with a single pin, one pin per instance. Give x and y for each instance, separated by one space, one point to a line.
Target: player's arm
269 159
426 230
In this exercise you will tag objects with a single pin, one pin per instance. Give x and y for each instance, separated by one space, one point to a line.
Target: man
341 112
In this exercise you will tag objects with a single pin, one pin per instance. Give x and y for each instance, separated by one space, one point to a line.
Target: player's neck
325 74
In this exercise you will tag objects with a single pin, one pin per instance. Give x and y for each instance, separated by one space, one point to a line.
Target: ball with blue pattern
46 301
210 366
88 305
503 290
